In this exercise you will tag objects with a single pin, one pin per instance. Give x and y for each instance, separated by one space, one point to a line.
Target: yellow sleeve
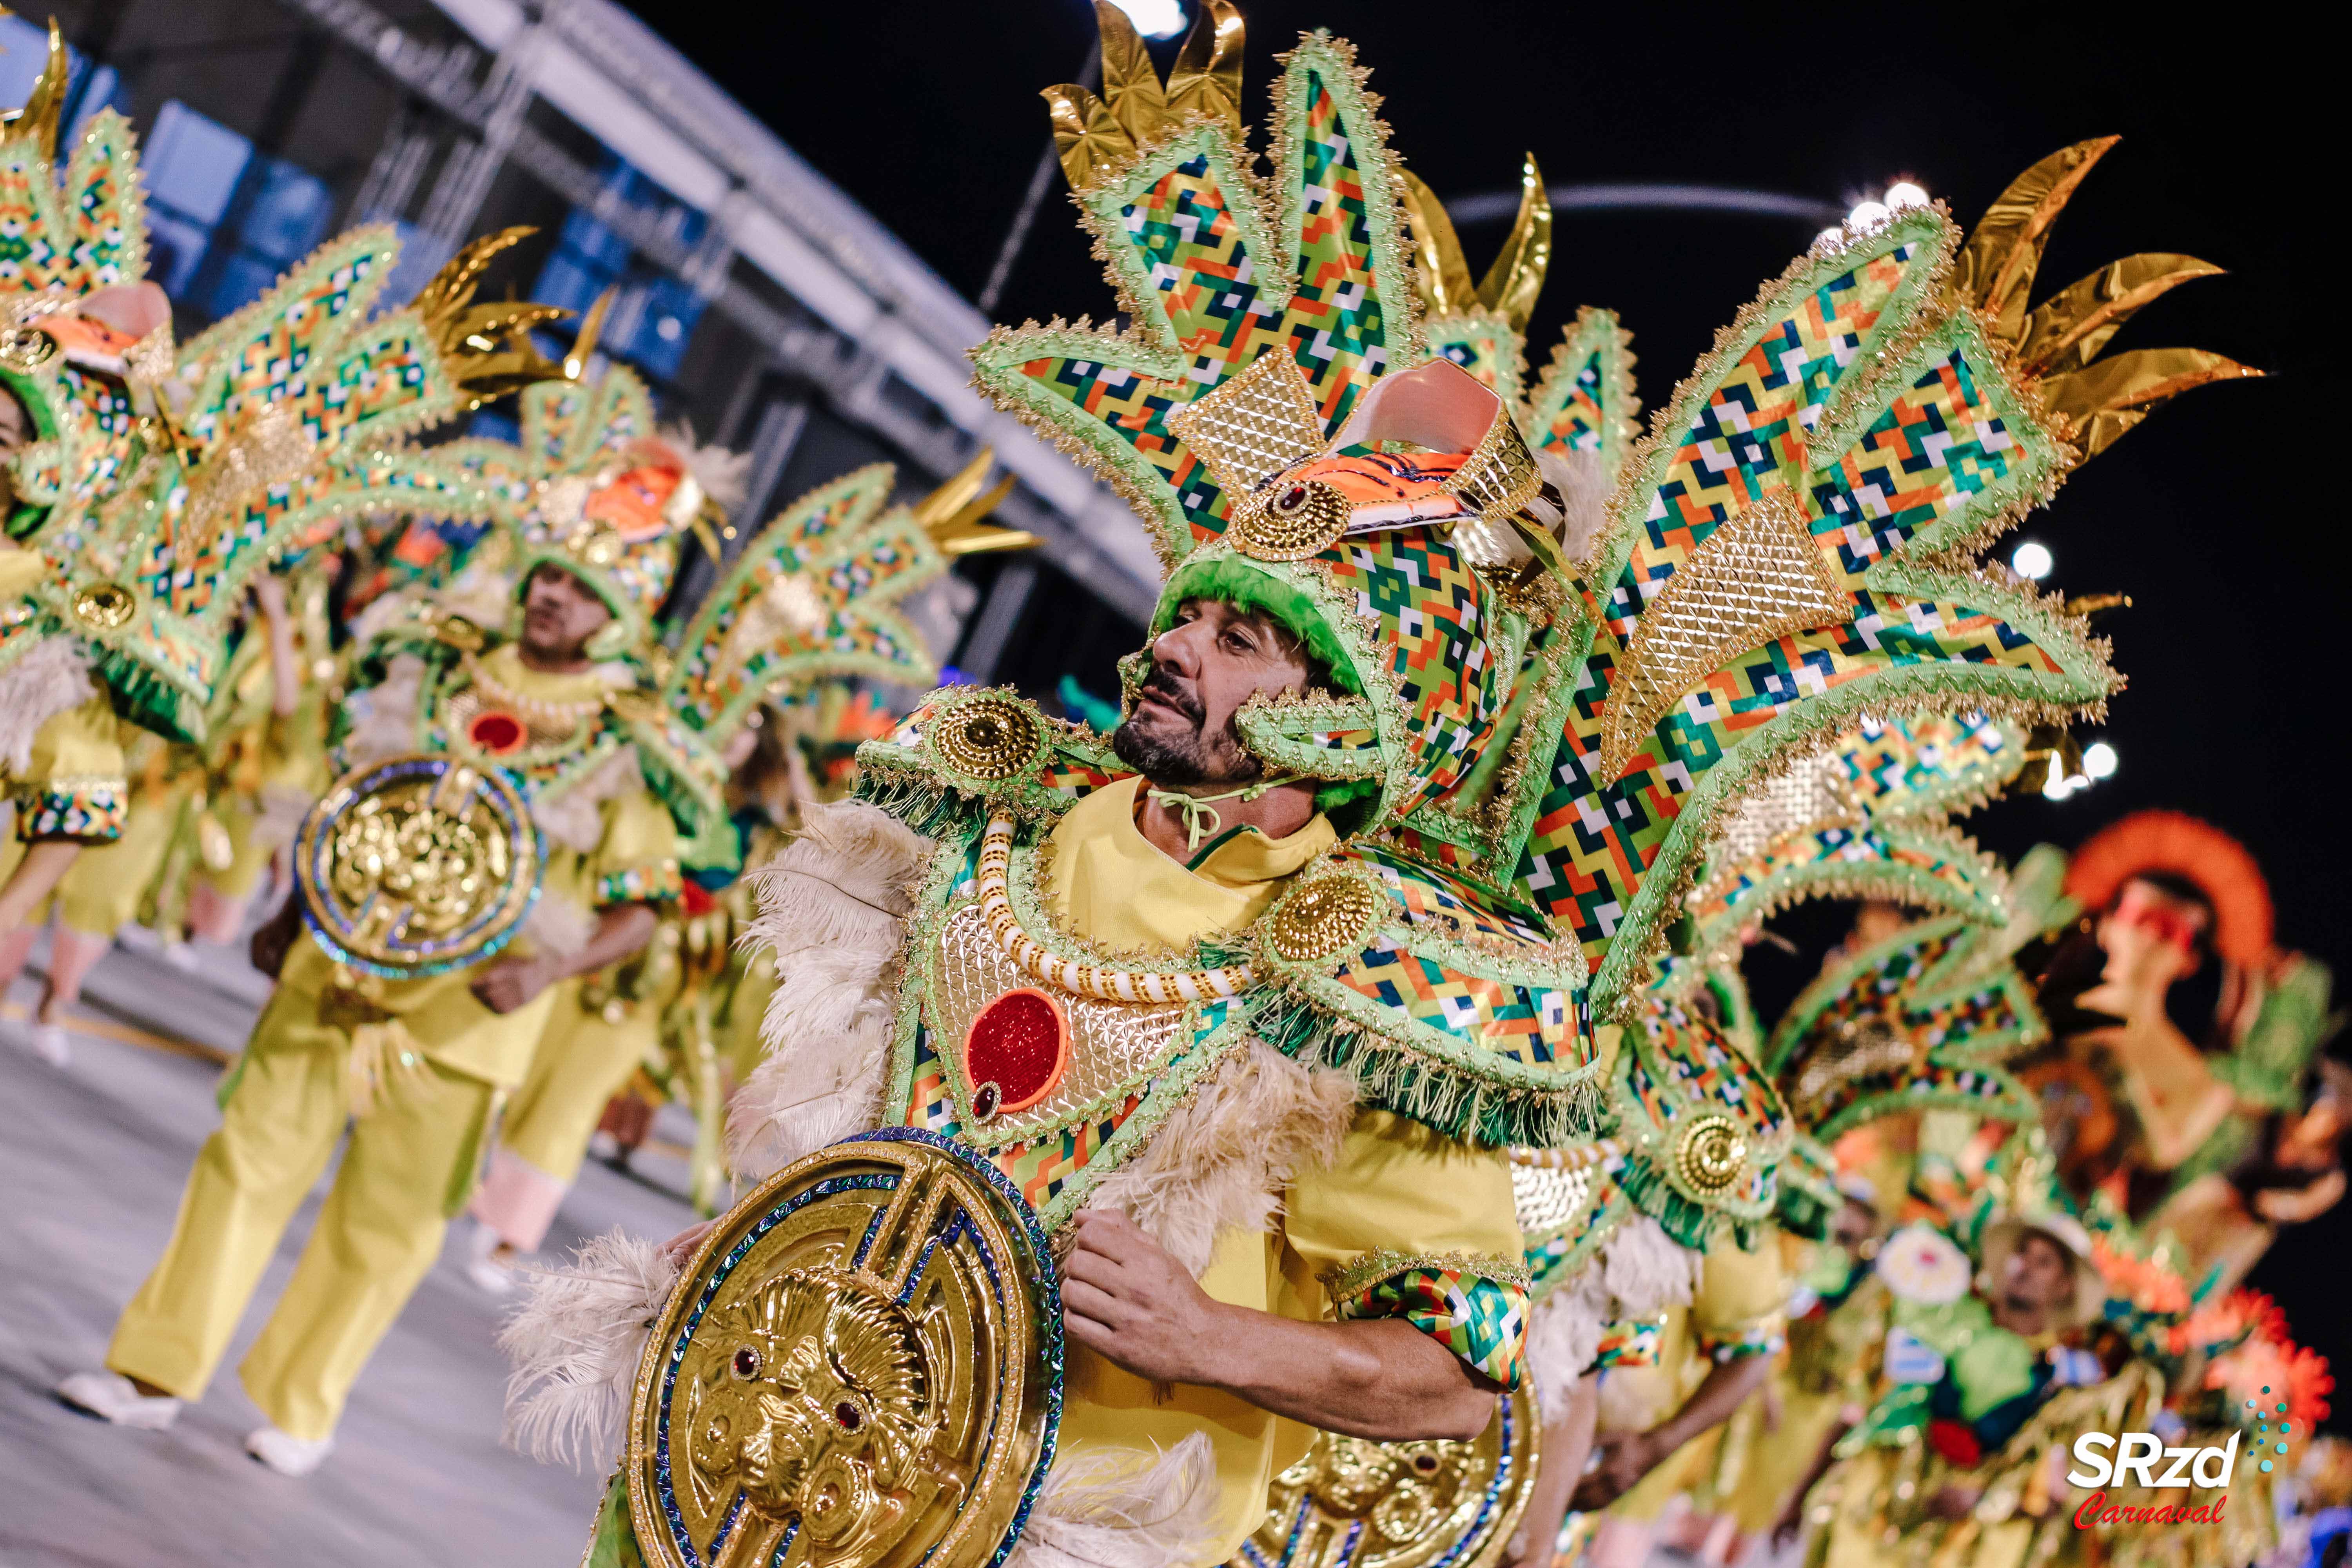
1742 1297
637 860
1409 1223
76 787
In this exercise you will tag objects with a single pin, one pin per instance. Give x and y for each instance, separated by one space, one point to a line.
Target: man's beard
1189 758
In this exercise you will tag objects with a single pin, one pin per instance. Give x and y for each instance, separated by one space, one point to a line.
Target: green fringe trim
928 808
1252 587
1693 1224
1459 1103
1802 1214
144 697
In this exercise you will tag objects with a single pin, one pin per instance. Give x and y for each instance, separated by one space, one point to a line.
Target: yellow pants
409 1165
581 1064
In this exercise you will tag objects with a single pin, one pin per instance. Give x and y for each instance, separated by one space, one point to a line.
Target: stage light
2099 760
2058 786
1867 215
1828 236
1154 19
1903 194
2032 560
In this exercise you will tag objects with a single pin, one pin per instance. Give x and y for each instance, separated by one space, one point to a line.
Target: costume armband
1475 1307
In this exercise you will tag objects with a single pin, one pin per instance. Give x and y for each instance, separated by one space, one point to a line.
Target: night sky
2212 516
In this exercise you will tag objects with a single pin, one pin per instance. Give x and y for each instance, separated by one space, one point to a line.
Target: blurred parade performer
416 1047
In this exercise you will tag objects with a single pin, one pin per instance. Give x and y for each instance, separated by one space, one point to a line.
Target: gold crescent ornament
987 737
1322 917
1353 1503
1709 1155
417 865
860 1367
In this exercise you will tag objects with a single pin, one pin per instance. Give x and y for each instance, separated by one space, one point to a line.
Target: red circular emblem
1015 1051
496 732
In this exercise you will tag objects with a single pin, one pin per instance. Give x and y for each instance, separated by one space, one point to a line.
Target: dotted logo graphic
2262 1438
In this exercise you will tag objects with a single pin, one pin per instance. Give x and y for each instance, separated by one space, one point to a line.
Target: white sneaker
287 1454
110 1396
50 1043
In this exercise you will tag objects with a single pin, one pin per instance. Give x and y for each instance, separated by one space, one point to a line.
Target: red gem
846 1414
1019 1044
496 732
1956 1441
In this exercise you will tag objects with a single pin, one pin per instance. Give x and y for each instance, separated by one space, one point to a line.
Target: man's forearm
622 932
1379 1379
35 877
1727 1385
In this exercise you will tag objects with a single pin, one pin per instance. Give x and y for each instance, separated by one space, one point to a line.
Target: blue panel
290 213
192 163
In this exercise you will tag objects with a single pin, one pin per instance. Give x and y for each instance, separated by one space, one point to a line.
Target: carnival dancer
813 595
415 1062
1255 1075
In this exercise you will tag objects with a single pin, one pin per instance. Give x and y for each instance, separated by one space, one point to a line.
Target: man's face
2150 936
559 614
2039 1276
1203 668
1855 1223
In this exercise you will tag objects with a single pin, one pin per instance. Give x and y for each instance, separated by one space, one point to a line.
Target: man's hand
1954 1502
274 938
510 984
1625 1459
1129 1302
680 1247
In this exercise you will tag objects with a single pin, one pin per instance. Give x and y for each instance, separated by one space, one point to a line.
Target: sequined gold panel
1255 423
1757 577
1113 1045
1351 1503
856 1369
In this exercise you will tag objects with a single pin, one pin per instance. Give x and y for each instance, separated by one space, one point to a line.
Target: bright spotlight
1867 215
1829 236
1154 19
2099 760
2057 786
1903 194
2032 560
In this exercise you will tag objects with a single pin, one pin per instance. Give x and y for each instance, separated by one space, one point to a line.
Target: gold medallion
987 738
1710 1156
417 865
104 606
1289 520
1322 917
860 1366
25 349
1354 1503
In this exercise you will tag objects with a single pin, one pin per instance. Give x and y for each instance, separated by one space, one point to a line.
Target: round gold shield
1354 1503
860 1367
416 864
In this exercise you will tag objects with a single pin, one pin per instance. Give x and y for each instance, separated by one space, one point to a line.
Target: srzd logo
2142 1456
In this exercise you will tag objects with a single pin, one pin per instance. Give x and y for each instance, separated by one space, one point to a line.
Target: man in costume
1258 1081
416 1058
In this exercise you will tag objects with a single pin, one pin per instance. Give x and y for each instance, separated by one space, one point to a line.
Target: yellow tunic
1741 1296
1396 1187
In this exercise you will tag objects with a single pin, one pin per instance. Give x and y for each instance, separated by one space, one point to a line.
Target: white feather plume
832 909
1104 1508
49 679
574 1344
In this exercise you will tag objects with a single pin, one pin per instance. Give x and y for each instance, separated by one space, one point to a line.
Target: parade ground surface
91 1165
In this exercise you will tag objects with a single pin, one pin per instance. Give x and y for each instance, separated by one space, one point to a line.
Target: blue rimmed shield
861 1366
417 865
1349 1502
